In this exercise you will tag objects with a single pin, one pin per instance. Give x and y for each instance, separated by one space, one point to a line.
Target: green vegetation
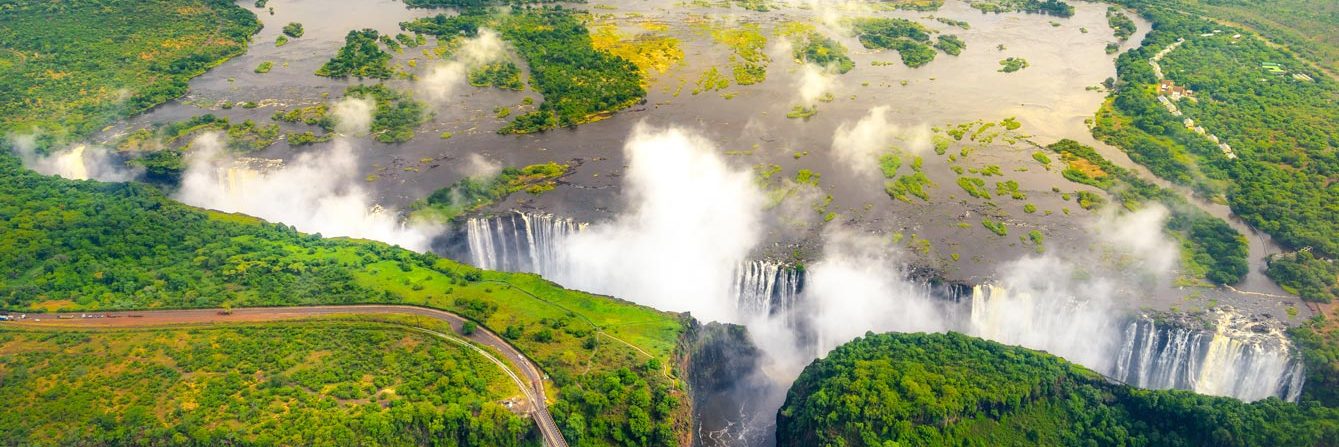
1049 7
951 389
907 186
952 22
818 49
802 112
1012 64
128 246
1305 275
1009 188
653 52
246 136
912 5
753 5
1121 24
160 149
1042 158
469 194
504 75
360 57
1038 240
910 39
807 177
307 138
1318 340
1306 27
1280 128
467 4
335 382
397 113
580 84
950 44
995 227
68 69
1089 200
711 80
293 29
749 60
264 67
281 40
975 187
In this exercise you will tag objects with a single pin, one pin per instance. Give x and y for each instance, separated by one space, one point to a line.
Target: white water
1084 331
766 287
1239 358
519 242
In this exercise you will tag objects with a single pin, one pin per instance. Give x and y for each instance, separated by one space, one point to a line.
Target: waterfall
1080 330
1237 356
766 288
518 241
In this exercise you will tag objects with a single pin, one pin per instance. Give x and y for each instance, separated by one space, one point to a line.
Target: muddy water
1051 98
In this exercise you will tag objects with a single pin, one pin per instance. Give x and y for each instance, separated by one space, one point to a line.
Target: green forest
86 245
911 40
821 50
69 68
1281 127
396 116
952 389
504 75
1210 247
327 383
360 57
1049 7
579 83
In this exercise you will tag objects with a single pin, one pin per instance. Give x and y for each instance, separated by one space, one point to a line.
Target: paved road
532 385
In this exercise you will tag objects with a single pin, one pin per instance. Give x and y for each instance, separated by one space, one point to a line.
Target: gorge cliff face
732 398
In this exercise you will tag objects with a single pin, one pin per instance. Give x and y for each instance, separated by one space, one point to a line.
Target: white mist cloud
858 285
834 13
353 116
1043 303
478 167
443 78
78 162
483 48
1140 236
316 192
690 219
859 145
814 83
917 139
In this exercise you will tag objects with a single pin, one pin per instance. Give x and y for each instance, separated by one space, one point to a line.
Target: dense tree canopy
360 57
579 83
1283 129
68 68
1211 248
329 383
86 245
951 389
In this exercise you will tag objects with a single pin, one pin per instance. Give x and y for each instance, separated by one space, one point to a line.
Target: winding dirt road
531 380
